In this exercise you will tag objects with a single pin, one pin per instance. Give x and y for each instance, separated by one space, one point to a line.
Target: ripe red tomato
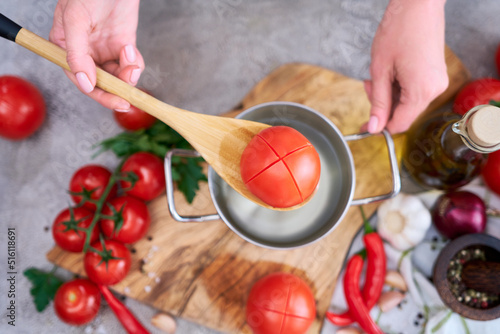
149 168
77 302
280 166
114 270
280 303
491 172
476 92
91 177
135 219
64 229
134 119
22 108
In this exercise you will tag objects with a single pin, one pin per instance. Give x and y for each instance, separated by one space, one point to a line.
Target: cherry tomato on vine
477 92
65 229
491 172
92 179
22 107
110 265
280 166
150 171
280 303
77 302
134 217
134 119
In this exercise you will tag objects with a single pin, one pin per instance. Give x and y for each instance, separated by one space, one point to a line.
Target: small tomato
77 302
150 171
93 179
65 229
491 172
134 119
477 92
134 218
22 108
100 268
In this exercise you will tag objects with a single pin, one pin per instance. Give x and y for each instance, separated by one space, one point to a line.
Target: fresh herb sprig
44 286
158 140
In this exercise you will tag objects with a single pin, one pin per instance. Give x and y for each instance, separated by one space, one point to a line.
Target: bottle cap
483 126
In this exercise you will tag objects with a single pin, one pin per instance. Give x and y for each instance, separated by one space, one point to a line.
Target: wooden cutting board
203 271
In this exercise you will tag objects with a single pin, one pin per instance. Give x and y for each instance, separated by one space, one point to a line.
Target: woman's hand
408 68
102 33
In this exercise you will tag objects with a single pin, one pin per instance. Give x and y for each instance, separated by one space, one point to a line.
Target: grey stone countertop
202 56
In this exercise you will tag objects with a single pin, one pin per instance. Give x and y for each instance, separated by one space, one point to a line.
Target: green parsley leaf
44 286
190 173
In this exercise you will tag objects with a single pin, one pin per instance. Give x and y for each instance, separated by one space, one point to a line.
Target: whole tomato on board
134 119
110 265
65 229
477 92
77 302
92 179
280 303
151 176
280 166
134 219
22 108
491 172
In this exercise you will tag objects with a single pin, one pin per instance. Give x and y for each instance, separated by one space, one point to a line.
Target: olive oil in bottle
445 151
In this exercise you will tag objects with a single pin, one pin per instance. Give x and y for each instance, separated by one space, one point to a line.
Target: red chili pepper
374 278
127 319
357 307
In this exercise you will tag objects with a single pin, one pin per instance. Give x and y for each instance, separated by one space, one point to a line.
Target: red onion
458 213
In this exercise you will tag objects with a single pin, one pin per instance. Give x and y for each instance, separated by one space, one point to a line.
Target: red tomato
280 166
497 59
134 119
491 172
135 219
476 92
114 270
64 229
91 177
22 108
149 168
280 303
77 302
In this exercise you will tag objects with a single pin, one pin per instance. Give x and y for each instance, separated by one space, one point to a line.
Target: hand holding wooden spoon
219 140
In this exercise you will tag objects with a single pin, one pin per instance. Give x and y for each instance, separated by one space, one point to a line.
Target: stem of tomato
100 204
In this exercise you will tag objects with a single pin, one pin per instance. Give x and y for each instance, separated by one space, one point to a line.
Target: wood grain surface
203 271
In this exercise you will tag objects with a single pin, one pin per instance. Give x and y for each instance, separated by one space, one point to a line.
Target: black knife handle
8 28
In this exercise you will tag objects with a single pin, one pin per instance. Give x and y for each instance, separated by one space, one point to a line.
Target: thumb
77 26
380 95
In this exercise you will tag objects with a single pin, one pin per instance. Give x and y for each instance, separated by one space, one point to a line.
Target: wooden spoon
219 140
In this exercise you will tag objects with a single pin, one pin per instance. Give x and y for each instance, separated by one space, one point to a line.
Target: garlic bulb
403 221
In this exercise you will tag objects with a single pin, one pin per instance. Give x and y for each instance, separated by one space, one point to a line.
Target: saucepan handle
170 188
396 179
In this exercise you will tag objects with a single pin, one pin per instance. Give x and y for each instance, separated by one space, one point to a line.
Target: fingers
77 26
106 99
379 92
130 58
416 95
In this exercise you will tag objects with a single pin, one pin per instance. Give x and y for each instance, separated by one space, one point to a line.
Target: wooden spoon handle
105 81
